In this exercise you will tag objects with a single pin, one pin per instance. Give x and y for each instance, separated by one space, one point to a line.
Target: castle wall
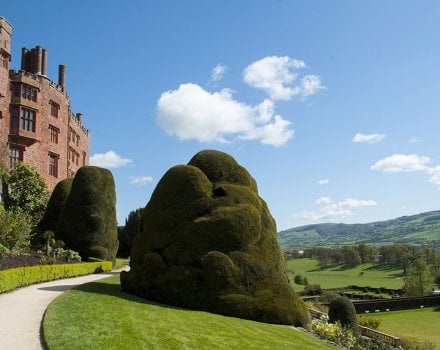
53 139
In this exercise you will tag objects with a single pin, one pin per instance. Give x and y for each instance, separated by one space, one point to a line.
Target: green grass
337 277
417 323
120 263
99 316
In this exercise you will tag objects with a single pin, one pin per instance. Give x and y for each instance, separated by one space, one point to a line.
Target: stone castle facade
37 125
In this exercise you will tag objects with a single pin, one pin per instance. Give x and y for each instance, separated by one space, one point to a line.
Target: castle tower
5 57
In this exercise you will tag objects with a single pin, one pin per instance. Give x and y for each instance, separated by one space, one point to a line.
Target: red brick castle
37 125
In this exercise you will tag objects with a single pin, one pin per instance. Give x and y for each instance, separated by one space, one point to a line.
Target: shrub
208 241
327 296
27 191
411 343
334 332
54 206
299 279
87 223
23 276
313 289
370 322
15 228
342 310
3 250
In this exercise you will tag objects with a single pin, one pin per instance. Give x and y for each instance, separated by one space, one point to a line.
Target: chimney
24 58
62 76
44 63
39 59
33 61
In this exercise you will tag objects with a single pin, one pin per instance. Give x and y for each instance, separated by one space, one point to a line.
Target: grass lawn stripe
99 316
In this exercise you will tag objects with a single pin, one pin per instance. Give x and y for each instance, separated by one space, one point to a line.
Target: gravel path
22 310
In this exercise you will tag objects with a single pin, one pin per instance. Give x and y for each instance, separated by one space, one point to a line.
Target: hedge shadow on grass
114 290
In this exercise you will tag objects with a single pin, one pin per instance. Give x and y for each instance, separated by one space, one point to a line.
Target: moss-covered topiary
55 205
208 242
87 223
342 310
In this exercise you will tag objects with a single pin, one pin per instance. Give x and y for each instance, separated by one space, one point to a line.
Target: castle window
54 107
27 120
54 134
15 156
53 164
29 92
16 90
15 117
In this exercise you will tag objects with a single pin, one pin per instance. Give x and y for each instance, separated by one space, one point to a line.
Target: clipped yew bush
55 205
87 222
342 310
209 242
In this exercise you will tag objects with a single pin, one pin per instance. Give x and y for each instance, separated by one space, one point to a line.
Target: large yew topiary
208 242
87 223
55 205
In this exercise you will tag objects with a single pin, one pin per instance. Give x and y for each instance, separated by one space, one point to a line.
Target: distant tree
418 280
127 233
27 192
351 256
367 253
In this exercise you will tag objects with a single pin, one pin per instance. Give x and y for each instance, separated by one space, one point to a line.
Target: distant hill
415 229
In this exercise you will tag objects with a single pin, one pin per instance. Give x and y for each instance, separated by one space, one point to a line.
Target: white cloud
415 139
371 138
435 175
402 163
140 180
275 75
217 72
324 182
109 160
310 85
192 113
357 203
333 211
323 200
398 163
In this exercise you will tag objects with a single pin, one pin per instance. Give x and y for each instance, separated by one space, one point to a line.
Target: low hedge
24 276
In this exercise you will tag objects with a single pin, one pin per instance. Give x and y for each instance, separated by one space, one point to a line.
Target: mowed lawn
335 277
417 323
99 316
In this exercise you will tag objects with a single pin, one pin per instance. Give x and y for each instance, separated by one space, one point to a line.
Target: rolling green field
414 229
98 315
417 323
337 277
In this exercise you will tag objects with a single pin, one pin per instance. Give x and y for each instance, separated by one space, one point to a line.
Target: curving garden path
22 311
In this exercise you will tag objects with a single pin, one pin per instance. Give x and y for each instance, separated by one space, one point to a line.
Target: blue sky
333 106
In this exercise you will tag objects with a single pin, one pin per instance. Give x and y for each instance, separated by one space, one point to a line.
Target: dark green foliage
127 233
209 242
87 222
342 310
27 191
15 229
53 209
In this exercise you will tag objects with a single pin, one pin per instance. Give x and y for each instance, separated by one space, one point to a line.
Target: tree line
420 264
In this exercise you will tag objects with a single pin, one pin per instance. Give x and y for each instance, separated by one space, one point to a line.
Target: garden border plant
24 276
